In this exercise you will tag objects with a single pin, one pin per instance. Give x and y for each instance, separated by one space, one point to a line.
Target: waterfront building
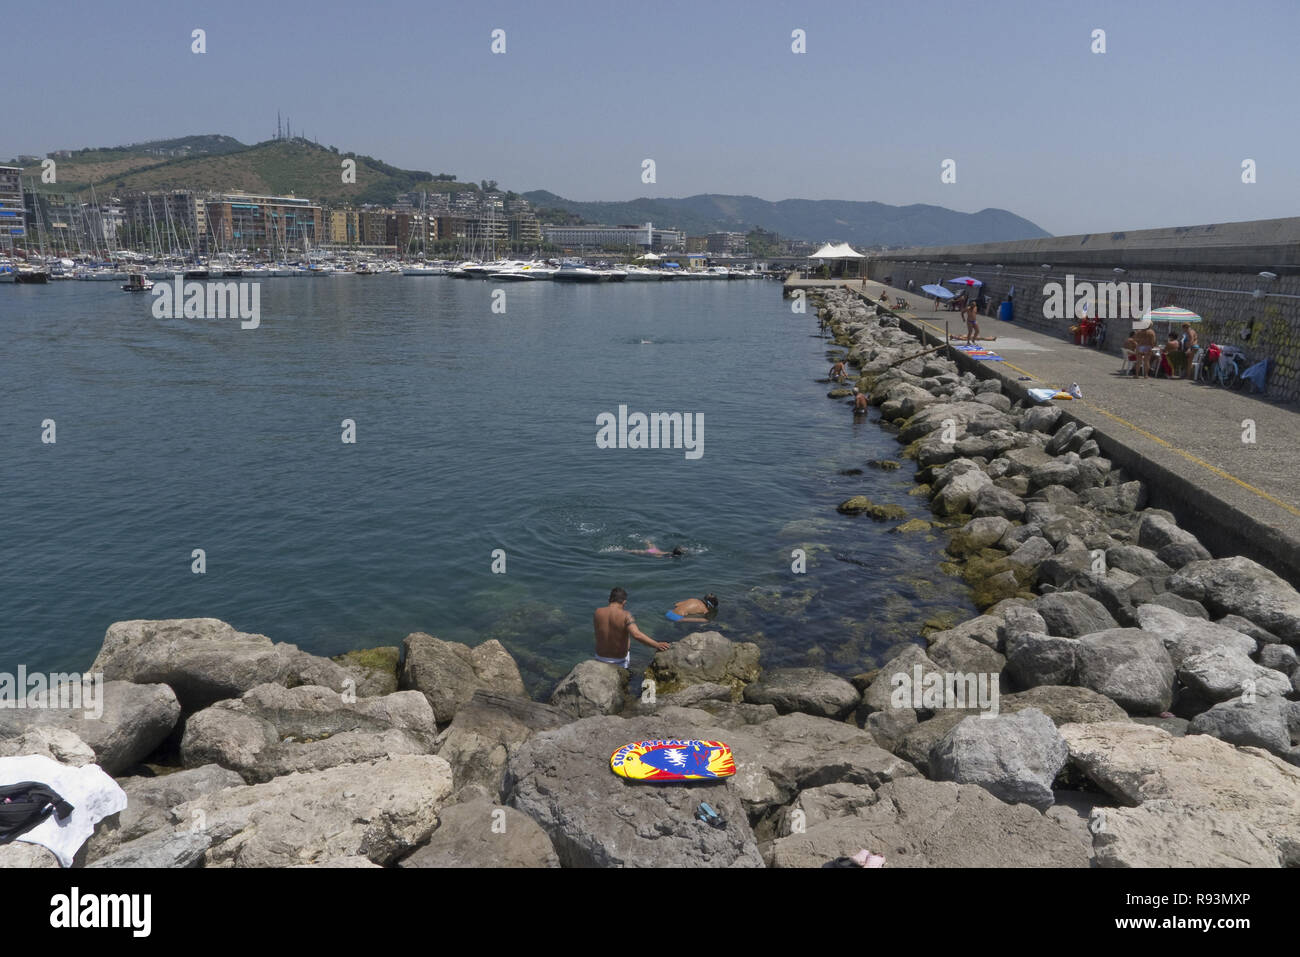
244 221
613 237
345 226
170 220
13 217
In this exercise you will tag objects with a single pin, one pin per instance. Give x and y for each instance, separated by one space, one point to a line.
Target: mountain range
305 168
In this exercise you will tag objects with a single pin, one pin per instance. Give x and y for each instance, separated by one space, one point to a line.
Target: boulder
1261 723
965 655
992 501
57 744
1221 786
900 666
919 823
956 496
127 723
379 811
1041 418
485 731
804 689
1129 666
705 656
1162 834
149 801
484 834
1222 673
592 687
977 534
1281 658
1037 659
1240 586
1014 757
374 669
1139 561
1058 442
160 849
594 818
986 629
272 730
1064 704
1071 614
1237 623
1184 636
448 673
1156 530
972 418
204 660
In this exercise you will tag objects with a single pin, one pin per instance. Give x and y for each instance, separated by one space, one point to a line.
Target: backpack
26 804
1212 354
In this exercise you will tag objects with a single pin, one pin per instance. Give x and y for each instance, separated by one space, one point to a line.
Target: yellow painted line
1161 442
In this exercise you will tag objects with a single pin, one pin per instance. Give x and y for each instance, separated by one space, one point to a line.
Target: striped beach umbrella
1171 314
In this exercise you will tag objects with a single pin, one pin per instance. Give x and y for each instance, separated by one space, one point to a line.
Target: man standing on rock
614 626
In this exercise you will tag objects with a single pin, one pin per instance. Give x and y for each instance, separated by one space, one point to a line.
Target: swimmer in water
650 549
691 609
859 401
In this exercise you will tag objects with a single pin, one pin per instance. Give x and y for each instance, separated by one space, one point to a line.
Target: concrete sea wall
1214 270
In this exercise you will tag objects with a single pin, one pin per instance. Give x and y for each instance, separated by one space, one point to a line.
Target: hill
274 167
814 220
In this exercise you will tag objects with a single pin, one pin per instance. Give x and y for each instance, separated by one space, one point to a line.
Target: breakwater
1214 270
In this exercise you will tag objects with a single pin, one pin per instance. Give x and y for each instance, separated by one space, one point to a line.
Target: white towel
92 794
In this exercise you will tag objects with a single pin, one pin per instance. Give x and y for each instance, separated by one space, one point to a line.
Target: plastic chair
1130 364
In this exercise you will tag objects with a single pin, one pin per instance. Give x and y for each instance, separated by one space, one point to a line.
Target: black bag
26 804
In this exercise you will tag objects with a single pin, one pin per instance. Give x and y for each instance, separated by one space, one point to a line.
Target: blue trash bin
1004 312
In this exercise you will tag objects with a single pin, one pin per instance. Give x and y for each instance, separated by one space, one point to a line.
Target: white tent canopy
650 256
837 251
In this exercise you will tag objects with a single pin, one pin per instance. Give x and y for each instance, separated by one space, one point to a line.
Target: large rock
705 656
205 660
1263 722
484 834
1037 659
1222 674
1129 666
890 676
272 730
592 687
1223 787
374 669
1163 834
919 823
804 689
1072 614
992 501
1239 586
1014 757
486 731
956 496
1041 418
972 418
1140 561
380 811
57 744
160 849
562 780
1064 704
448 673
133 720
149 801
1185 636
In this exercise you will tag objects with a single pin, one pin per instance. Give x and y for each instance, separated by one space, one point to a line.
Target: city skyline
1143 135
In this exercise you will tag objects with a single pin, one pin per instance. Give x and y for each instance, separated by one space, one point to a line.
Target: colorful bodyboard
673 760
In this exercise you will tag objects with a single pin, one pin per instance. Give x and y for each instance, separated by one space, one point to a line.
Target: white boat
717 272
424 269
571 272
6 272
137 282
642 274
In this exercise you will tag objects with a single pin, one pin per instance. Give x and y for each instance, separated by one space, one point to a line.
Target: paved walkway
1185 439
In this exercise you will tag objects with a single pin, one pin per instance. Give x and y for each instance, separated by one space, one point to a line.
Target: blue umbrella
939 291
964 281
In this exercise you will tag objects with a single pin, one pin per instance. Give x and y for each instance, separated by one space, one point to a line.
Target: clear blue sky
1150 133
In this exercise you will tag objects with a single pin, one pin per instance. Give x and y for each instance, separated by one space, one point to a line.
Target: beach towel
92 794
1047 395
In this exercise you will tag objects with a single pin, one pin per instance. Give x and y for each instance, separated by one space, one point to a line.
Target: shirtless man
691 609
838 372
1146 346
652 549
614 625
859 401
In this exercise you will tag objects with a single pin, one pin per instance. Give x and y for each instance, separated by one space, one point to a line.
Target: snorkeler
650 549
691 608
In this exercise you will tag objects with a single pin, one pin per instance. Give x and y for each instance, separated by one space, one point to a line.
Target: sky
1152 132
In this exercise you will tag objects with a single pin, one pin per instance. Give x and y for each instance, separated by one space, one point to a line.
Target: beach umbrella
1172 314
939 291
964 281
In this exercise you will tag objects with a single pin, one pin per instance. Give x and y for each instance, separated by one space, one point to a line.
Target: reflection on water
475 432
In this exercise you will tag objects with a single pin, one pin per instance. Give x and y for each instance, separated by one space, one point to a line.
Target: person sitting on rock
838 372
691 609
614 627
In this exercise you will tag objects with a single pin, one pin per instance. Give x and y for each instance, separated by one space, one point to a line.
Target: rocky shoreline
1138 705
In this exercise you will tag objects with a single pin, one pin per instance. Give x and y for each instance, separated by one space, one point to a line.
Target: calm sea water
475 431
